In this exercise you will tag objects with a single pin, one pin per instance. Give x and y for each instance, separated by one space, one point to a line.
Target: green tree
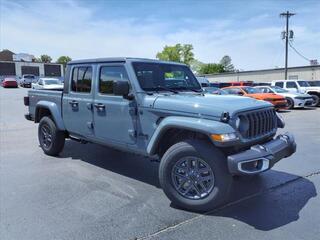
226 63
196 65
211 68
169 53
45 58
187 56
64 60
177 53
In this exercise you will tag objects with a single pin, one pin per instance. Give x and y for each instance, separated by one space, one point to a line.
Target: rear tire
290 103
202 195
51 140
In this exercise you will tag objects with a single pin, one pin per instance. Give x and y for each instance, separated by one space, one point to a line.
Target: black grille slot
260 123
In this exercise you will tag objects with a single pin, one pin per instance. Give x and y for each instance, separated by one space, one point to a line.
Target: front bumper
28 116
303 102
260 158
280 105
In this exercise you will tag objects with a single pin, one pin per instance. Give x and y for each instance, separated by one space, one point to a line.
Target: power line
297 52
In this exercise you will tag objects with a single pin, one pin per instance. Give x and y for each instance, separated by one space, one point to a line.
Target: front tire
290 103
316 100
51 140
194 175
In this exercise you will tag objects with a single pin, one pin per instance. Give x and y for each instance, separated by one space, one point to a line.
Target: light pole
287 15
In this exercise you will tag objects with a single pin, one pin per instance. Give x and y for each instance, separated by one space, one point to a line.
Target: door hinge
90 125
132 133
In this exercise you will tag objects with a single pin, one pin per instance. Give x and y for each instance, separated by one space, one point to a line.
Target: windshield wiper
196 90
191 89
167 89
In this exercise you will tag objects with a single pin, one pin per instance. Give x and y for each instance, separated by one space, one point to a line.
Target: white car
299 86
293 99
48 84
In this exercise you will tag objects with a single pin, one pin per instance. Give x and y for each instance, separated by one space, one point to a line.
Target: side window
291 85
235 91
266 90
279 84
81 79
109 75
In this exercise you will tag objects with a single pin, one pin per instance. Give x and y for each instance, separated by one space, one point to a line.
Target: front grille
259 123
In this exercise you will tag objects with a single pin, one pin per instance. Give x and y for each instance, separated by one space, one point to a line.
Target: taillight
26 101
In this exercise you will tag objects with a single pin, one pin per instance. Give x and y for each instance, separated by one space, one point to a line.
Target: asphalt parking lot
92 192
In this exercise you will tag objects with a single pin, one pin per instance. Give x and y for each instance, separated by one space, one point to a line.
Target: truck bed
36 96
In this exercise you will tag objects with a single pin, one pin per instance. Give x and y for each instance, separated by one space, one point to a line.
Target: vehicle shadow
126 164
265 206
265 202
284 110
306 108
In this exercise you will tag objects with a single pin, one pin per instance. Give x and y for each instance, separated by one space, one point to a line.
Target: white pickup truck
299 86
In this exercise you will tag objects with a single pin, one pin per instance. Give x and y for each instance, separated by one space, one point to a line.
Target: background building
12 64
267 75
25 57
11 68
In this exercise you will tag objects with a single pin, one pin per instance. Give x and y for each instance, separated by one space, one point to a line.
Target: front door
77 101
114 117
292 86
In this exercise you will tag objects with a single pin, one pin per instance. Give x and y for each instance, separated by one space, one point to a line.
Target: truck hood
316 89
207 104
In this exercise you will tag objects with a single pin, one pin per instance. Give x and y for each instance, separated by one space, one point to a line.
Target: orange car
278 101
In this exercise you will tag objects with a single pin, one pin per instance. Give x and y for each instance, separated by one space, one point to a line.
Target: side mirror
121 88
240 93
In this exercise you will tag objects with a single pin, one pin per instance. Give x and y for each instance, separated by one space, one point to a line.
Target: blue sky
248 31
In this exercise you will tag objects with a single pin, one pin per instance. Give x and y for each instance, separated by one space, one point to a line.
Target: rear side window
109 75
291 85
279 84
235 91
81 79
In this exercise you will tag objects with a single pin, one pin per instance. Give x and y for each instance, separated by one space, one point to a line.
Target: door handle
100 106
74 103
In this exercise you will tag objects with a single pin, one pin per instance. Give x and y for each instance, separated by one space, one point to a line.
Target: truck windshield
29 76
303 84
162 76
314 83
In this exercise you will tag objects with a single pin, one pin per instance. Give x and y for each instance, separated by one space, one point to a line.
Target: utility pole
287 15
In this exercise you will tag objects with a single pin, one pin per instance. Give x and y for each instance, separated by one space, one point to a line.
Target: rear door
77 101
114 116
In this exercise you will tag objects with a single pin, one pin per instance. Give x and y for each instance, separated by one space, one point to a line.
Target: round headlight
242 124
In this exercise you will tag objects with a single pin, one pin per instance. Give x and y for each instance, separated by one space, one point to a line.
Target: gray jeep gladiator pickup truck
158 109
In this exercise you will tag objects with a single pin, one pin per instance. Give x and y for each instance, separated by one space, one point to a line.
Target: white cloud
66 28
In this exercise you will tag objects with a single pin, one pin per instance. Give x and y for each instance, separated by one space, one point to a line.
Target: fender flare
204 126
55 113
